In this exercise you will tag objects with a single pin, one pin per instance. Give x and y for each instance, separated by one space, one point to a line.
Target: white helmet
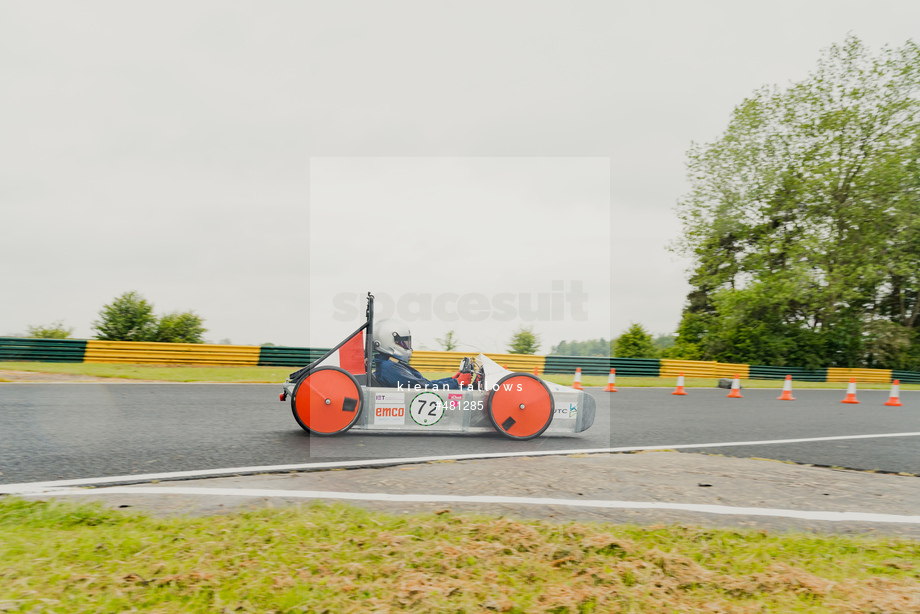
394 338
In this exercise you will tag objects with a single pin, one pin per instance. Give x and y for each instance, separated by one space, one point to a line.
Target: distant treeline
635 342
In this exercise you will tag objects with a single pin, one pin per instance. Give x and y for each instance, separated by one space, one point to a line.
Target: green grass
273 375
64 557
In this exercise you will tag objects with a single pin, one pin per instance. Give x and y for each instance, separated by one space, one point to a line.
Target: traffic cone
536 370
787 390
736 388
680 385
894 399
851 392
611 381
577 384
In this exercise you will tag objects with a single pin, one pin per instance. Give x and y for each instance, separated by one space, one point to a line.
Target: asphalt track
66 431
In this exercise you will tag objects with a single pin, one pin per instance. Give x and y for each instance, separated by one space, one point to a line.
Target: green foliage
448 342
663 342
635 342
592 347
524 341
55 331
803 220
128 318
179 328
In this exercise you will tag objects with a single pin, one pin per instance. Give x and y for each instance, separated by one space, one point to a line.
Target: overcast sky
266 164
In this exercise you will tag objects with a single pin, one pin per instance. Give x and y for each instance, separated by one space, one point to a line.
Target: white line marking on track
428 498
383 462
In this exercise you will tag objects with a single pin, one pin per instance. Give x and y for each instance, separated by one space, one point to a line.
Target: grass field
64 557
184 373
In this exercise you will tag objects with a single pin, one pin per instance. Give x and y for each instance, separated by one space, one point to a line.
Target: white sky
251 161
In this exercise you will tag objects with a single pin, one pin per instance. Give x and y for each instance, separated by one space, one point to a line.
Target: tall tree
128 318
524 341
803 219
635 342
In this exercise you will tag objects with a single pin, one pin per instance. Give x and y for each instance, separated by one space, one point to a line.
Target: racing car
339 392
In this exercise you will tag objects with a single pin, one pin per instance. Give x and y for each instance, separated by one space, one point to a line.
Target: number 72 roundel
426 409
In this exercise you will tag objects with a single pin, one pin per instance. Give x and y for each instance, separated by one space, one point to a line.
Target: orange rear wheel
520 406
327 401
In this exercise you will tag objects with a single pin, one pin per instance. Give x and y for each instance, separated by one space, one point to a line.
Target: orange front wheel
520 406
327 401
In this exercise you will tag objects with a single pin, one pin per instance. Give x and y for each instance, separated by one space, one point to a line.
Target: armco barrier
906 377
271 356
449 361
797 373
78 350
601 365
701 368
171 353
878 376
44 350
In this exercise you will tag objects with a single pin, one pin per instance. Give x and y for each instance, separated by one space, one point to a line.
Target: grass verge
276 375
65 557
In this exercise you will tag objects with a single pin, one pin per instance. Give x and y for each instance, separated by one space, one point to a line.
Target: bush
55 331
180 328
128 318
635 342
524 341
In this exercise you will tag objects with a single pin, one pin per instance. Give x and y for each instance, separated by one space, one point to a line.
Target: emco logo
390 412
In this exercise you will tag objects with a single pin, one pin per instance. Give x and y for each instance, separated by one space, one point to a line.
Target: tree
635 342
55 331
524 341
179 328
663 342
128 318
449 342
803 220
592 347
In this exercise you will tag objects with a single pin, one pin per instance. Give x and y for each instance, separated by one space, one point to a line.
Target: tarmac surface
54 431
62 431
721 484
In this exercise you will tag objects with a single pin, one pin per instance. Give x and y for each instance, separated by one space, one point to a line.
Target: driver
393 344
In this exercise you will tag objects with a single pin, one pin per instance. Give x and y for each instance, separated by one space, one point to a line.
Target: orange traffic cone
680 385
577 384
851 392
787 390
611 381
894 399
736 388
536 370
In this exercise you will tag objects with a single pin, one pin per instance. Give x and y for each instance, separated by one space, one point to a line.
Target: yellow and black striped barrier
97 351
171 353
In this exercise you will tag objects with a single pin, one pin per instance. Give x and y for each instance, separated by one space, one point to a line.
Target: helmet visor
403 342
